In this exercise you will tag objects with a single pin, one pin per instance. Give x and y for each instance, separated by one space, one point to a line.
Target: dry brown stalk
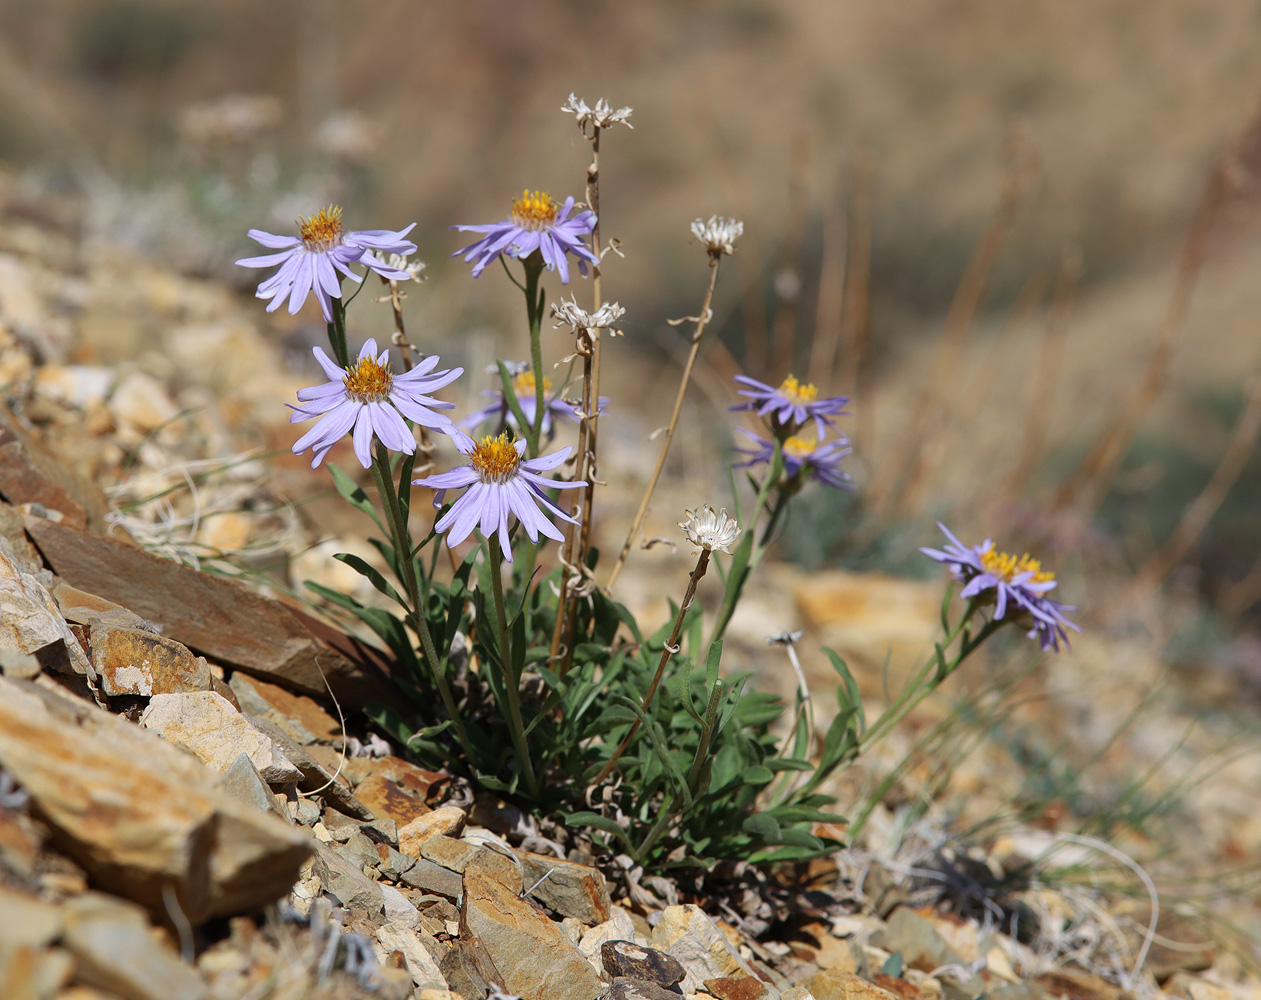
829 313
884 487
1045 373
1235 175
702 321
784 323
852 377
1201 510
578 536
960 409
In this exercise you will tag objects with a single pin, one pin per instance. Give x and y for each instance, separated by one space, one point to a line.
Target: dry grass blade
1200 511
884 488
831 302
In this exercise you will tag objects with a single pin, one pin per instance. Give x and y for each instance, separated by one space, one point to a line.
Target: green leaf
763 825
390 721
354 493
853 697
893 965
597 822
373 576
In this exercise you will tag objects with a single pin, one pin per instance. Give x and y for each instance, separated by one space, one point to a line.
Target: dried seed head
719 234
708 530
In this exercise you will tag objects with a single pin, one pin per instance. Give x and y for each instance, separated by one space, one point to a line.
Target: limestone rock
353 889
243 782
27 921
394 936
204 722
447 821
429 786
619 927
532 956
1080 986
687 933
114 950
832 984
920 943
29 619
131 661
632 961
566 888
739 988
388 798
315 776
218 618
429 877
137 813
297 714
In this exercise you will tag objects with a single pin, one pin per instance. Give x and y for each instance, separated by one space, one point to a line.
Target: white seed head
581 321
401 261
601 116
718 234
708 530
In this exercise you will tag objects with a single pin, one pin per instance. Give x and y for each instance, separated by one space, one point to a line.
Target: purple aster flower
500 483
819 459
792 404
554 407
370 400
310 261
1021 582
537 223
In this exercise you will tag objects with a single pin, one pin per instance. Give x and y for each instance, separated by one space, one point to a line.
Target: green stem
337 334
748 556
534 310
511 681
916 691
407 571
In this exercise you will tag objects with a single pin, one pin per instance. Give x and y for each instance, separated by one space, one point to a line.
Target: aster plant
518 668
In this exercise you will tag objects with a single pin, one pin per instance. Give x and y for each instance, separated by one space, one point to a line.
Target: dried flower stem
701 321
579 536
670 648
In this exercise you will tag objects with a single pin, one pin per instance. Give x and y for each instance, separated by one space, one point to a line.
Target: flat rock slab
430 786
738 988
136 662
534 959
836 985
220 618
114 949
29 618
207 724
139 814
299 715
388 798
447 822
569 889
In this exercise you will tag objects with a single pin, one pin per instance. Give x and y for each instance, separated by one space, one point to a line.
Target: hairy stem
516 727
407 571
671 647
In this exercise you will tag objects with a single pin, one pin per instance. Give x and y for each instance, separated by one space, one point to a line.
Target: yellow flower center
1005 566
495 459
368 381
799 447
523 384
795 392
323 230
533 210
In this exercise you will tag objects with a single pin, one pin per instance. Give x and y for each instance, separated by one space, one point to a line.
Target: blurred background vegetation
992 216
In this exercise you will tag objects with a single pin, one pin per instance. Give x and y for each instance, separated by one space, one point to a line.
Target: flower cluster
1016 587
786 408
555 407
316 259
